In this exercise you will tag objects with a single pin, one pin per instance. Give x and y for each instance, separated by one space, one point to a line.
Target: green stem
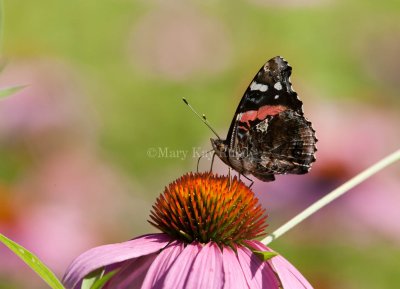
333 195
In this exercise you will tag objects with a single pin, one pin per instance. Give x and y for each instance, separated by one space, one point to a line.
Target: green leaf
103 280
91 278
265 255
10 90
97 279
33 262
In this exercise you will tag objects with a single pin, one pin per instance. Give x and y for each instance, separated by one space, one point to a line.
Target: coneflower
209 224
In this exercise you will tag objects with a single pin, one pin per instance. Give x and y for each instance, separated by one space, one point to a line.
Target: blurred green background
82 147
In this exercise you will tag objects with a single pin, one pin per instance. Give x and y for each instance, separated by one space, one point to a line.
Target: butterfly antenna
203 117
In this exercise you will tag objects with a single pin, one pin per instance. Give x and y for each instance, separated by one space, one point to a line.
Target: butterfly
269 134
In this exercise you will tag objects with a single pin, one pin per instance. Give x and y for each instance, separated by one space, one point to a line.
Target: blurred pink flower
49 110
65 187
208 223
71 193
177 41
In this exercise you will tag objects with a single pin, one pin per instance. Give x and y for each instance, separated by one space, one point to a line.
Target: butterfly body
269 134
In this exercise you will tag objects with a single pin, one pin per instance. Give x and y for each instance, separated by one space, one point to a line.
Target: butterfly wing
269 134
282 144
269 93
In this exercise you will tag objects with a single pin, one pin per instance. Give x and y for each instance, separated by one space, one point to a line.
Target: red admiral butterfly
269 134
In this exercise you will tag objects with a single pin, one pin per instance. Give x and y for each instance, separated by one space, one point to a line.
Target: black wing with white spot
269 91
269 134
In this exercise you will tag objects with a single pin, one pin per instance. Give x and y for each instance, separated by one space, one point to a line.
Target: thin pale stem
333 195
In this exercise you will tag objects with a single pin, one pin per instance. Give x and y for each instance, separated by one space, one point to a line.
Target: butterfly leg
200 157
212 161
198 162
229 178
252 182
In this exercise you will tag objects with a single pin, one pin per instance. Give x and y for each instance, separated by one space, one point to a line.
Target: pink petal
110 254
257 273
132 273
234 277
177 275
207 270
156 274
289 276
